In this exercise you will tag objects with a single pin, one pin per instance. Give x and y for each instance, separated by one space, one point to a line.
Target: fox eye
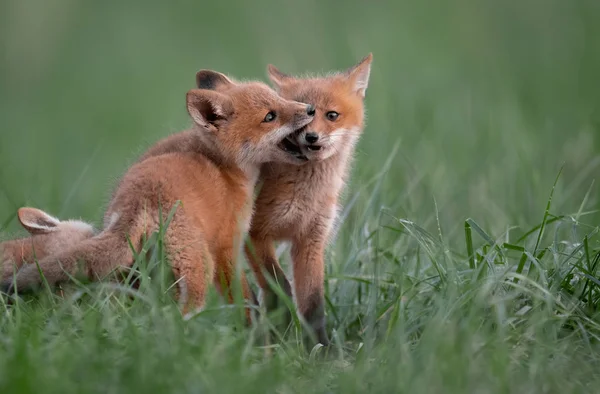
270 117
332 115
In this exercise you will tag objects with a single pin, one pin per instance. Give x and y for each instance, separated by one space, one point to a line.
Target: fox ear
212 80
359 75
208 108
36 221
277 77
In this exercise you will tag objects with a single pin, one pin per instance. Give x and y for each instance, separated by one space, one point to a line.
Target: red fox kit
237 127
300 203
49 235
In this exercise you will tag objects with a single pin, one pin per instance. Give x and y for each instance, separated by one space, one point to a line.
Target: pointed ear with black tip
208 108
277 77
359 75
212 80
36 221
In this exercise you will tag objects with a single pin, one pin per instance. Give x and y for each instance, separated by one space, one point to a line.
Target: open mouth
289 145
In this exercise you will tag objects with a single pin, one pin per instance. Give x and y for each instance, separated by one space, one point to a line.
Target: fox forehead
254 94
321 92
79 226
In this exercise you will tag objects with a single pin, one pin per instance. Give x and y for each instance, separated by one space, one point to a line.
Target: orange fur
300 203
48 236
213 178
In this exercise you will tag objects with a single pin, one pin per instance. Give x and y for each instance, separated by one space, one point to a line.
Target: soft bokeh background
474 106
486 99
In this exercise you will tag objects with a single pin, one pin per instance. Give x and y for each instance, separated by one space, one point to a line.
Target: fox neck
209 147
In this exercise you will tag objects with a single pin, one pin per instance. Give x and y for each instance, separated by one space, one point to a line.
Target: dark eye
270 117
332 115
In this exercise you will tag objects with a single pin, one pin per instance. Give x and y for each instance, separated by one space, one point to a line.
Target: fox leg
191 262
189 270
261 256
309 275
99 256
223 280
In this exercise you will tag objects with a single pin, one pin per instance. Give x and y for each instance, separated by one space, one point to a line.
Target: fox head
49 234
38 222
339 103
61 233
247 122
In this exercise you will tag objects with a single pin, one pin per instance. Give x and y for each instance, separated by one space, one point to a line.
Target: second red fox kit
300 203
237 127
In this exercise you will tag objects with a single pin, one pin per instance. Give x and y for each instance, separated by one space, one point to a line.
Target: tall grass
467 257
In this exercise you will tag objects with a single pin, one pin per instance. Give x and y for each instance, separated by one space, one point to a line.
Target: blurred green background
486 99
473 108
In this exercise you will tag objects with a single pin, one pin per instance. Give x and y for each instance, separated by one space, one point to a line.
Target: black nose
311 138
310 110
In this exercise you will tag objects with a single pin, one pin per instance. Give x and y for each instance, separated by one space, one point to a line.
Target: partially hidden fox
237 127
299 203
48 235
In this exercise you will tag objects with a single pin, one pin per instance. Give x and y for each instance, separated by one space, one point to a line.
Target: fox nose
311 137
310 110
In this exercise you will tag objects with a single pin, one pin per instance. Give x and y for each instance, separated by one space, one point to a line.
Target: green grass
464 262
